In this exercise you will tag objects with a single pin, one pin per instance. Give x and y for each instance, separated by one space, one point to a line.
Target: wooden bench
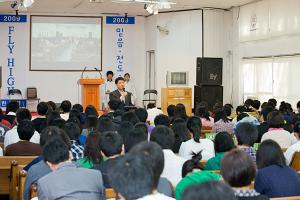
2 146
287 198
21 183
110 193
5 167
14 180
295 163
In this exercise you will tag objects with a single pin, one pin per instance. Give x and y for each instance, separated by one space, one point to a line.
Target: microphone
83 71
99 72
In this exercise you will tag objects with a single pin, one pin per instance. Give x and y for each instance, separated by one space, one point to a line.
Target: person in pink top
202 112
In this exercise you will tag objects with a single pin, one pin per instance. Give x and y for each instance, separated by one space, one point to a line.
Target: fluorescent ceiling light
27 3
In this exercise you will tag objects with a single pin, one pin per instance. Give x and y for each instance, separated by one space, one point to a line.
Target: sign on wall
120 20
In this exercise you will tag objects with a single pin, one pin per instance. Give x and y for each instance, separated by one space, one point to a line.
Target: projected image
66 44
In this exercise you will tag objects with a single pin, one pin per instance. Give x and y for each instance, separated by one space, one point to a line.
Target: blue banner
4 102
13 19
120 20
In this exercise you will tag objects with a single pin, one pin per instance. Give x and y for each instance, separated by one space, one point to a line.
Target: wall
57 86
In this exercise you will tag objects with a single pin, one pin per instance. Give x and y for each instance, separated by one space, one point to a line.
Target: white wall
57 86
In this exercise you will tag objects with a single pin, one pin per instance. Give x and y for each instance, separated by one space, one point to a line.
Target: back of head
142 114
91 110
192 164
179 111
162 120
275 119
248 104
256 104
125 128
223 142
52 105
273 101
114 105
25 130
66 106
227 109
142 126
130 117
194 125
131 176
12 106
220 115
164 136
56 151
241 116
58 122
51 116
133 138
237 168
211 190
240 109
246 133
269 153
154 154
92 149
22 114
72 130
180 130
78 107
91 122
202 111
51 132
42 108
171 110
75 114
111 143
105 124
265 112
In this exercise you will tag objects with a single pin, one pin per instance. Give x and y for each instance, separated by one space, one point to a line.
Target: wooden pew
14 180
110 193
33 191
287 198
2 146
21 183
295 163
5 165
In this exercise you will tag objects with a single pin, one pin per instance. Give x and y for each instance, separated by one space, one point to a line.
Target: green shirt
215 162
195 178
85 163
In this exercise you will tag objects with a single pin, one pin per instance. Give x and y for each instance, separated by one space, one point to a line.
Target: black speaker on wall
211 94
209 71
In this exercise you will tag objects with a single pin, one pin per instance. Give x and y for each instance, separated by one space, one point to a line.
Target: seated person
111 147
11 110
155 155
73 131
162 120
295 147
113 106
211 190
276 131
223 143
246 135
40 122
264 126
152 111
24 147
171 112
12 136
67 181
164 136
202 112
222 123
142 114
90 125
65 107
238 170
198 142
133 138
133 178
181 132
274 178
121 95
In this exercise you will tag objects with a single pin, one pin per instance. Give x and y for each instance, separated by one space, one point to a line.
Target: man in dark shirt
263 127
120 94
24 147
41 121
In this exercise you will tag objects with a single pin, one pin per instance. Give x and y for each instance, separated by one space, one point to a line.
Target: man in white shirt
295 147
110 86
164 136
129 85
152 111
66 108
12 136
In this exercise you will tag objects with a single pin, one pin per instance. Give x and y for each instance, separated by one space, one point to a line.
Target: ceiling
107 7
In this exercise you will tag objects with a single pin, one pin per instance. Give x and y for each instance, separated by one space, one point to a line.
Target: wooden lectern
91 92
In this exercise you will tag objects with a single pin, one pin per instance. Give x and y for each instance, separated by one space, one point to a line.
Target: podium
91 92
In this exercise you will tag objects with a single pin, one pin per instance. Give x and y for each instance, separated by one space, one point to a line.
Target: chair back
150 92
295 163
21 183
33 191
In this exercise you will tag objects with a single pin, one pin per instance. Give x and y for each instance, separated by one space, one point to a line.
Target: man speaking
120 94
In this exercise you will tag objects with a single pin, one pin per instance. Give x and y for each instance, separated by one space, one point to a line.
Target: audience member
65 107
222 124
223 143
142 114
91 110
263 127
192 165
162 120
131 117
105 124
134 137
181 133
40 122
152 111
274 178
272 102
202 112
170 111
51 116
238 170
295 147
228 110
52 105
198 142
164 136
11 110
180 112
124 129
142 126
113 106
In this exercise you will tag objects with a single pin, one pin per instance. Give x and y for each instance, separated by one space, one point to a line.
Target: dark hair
180 111
241 116
162 120
22 114
151 105
51 132
256 104
155 156
248 104
92 149
131 176
126 74
269 153
134 137
72 130
114 104
51 116
25 129
75 114
265 112
194 125
285 108
238 168
142 114
12 106
223 142
109 73
275 119
58 122
91 110
227 110
164 136
192 164
52 105
220 114
297 128
181 133
55 151
105 124
119 79
91 122
66 106
124 129
202 111
240 109
273 101
171 110
111 143
246 133
211 190
217 106
78 107
142 126
42 108
130 117
298 104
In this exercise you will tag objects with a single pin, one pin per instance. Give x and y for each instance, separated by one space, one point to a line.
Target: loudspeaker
211 94
209 71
